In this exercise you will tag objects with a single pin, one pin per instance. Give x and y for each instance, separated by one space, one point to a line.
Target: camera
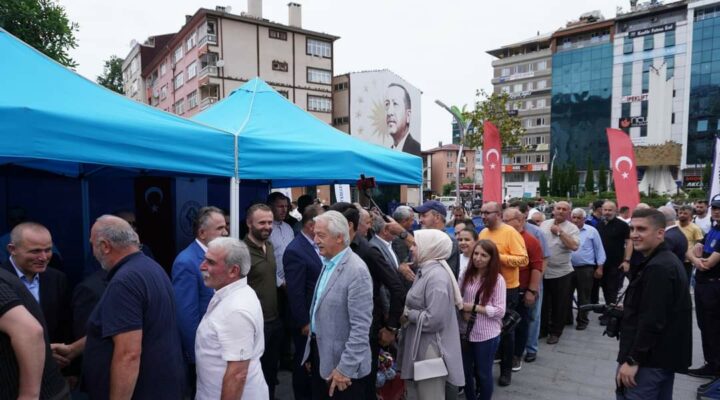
613 315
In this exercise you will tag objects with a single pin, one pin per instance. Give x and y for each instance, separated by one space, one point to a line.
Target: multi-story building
582 79
649 88
523 70
215 52
139 57
441 166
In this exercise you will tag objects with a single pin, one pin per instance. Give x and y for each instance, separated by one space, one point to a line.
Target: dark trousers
611 283
582 282
370 390
652 383
478 360
707 309
321 388
191 381
507 341
555 304
522 330
302 385
273 333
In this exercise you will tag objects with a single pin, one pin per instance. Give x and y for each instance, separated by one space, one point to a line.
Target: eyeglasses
487 212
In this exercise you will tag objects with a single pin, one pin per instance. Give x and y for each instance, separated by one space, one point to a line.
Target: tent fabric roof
54 118
279 141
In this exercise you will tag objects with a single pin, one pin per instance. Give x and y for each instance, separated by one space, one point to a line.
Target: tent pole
85 200
235 208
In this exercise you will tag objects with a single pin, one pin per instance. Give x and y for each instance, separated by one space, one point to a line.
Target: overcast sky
438 46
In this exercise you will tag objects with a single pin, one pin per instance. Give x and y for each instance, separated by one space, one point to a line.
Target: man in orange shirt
513 256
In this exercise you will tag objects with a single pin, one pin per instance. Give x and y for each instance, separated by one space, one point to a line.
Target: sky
438 46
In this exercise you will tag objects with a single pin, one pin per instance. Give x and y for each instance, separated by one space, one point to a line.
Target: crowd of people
343 289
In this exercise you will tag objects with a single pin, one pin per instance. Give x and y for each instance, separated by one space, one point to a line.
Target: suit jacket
387 253
382 275
302 269
342 320
191 296
411 146
54 302
85 296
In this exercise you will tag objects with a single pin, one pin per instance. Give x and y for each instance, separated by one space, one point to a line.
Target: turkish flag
622 161
492 164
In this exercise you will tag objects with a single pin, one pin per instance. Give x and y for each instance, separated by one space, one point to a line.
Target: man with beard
615 235
398 111
262 278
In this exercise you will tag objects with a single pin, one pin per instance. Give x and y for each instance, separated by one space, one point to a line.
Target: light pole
463 130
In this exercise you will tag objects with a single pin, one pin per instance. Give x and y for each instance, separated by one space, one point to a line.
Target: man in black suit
302 264
398 110
30 251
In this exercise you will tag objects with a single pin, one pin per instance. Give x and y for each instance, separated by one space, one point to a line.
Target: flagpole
462 128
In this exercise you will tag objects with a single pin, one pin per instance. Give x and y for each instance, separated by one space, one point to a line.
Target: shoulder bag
432 367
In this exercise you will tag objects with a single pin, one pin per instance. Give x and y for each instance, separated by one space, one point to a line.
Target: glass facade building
581 99
704 108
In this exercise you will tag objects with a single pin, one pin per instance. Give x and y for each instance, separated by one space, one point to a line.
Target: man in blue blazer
302 267
191 294
338 348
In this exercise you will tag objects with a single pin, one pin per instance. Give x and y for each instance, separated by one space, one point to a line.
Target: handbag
432 367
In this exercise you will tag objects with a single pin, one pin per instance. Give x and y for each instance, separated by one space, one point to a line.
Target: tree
602 179
43 25
707 176
448 188
573 179
589 176
555 181
494 108
112 77
543 185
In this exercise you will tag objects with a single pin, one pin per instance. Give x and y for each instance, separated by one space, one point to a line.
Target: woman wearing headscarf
431 313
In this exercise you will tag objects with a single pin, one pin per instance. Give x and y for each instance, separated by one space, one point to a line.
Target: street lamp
463 130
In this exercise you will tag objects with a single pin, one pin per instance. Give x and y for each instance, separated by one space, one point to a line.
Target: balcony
209 39
207 102
209 70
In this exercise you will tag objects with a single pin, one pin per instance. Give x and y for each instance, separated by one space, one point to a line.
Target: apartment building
139 57
523 70
440 164
215 52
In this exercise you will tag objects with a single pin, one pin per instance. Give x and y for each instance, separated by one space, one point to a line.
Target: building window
648 42
702 125
669 38
284 93
505 89
670 64
179 107
191 40
179 80
134 65
540 103
541 66
163 68
192 100
319 48
340 86
178 55
542 84
450 175
192 70
628 45
322 76
627 79
341 121
518 88
625 110
163 92
540 121
450 164
672 118
279 66
134 88
276 34
505 72
450 154
320 104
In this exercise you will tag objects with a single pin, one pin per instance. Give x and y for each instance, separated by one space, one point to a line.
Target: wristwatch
631 361
391 329
534 292
559 232
403 235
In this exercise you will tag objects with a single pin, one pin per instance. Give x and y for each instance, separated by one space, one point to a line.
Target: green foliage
543 185
573 180
448 188
43 25
589 176
112 75
555 182
697 194
602 178
493 107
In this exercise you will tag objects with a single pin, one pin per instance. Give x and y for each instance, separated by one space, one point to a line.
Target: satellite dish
220 63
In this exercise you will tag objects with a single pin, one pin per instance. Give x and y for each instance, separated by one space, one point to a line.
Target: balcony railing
209 38
207 102
209 70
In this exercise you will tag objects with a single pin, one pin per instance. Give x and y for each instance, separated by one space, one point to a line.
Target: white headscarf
435 245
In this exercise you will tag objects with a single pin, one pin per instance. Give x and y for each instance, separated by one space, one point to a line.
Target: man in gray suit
382 240
338 348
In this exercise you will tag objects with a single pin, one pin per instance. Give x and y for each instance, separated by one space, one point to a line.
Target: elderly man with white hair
675 239
230 340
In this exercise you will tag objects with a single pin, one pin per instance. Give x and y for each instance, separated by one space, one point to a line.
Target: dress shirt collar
21 274
402 142
229 289
202 246
332 263
383 241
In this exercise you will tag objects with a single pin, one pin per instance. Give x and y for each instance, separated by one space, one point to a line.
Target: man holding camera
656 327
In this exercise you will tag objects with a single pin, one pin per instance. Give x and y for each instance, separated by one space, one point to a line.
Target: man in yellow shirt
513 256
692 231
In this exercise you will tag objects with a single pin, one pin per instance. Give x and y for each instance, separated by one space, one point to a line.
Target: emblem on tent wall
186 216
153 198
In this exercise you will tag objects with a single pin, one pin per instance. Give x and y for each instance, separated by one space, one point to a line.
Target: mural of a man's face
397 113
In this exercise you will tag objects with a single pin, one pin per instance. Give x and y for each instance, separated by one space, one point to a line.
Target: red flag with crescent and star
622 161
492 164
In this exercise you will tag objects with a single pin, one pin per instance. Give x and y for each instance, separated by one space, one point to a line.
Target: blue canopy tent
55 120
280 142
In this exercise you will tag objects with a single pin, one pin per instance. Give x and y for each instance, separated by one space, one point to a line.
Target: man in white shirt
229 340
702 216
282 233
